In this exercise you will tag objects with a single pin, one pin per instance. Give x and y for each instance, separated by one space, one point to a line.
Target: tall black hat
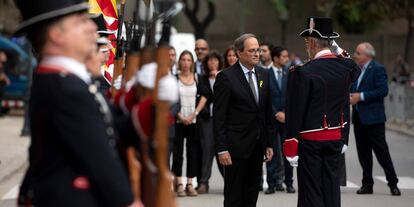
38 11
319 27
100 22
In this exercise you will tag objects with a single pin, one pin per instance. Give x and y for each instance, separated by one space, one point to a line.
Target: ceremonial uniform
72 160
72 157
317 115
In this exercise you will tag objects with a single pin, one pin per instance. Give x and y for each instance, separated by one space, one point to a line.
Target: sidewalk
13 148
397 125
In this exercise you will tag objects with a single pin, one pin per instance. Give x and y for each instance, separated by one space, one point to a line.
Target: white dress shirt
276 70
363 69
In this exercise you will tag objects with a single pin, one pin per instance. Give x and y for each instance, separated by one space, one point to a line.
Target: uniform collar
69 64
323 53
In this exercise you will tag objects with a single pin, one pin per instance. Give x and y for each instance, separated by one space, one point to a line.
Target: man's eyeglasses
253 51
200 48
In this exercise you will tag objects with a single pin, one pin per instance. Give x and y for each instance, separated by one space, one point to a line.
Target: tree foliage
359 16
354 16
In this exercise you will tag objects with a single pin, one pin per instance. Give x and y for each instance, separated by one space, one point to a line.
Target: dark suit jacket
239 122
72 136
375 87
208 93
278 94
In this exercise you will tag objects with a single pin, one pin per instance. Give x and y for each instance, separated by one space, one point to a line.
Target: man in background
367 97
279 167
201 49
265 56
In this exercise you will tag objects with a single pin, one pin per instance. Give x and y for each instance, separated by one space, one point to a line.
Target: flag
109 11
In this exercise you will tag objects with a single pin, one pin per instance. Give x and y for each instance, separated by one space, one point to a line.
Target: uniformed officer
72 157
317 116
104 46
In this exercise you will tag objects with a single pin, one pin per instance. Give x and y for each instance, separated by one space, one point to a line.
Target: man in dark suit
317 113
242 123
279 167
367 98
72 157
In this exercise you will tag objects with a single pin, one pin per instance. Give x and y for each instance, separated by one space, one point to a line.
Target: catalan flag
109 11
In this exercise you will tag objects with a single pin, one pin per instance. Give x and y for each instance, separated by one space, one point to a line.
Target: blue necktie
279 78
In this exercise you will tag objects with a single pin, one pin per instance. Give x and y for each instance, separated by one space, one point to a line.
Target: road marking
403 182
350 185
12 194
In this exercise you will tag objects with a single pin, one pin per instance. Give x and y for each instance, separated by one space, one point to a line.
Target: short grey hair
368 49
323 43
239 42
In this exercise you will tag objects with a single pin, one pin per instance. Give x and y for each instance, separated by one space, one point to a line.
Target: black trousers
372 138
242 178
192 147
319 173
207 148
279 167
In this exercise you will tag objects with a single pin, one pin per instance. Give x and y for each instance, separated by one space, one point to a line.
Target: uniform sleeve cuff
362 96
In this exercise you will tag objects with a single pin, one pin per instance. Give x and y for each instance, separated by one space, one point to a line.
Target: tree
281 8
359 16
200 26
401 9
354 16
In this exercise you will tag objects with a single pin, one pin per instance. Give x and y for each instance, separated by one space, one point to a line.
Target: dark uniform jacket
238 120
321 97
72 157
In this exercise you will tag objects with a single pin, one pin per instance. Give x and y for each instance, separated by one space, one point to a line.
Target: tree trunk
407 49
283 35
199 32
200 26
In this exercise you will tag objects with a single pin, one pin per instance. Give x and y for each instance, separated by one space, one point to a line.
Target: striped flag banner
109 11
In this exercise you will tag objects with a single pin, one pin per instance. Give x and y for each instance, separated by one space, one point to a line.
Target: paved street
13 151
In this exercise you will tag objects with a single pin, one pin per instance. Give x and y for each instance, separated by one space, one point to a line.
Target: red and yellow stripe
109 11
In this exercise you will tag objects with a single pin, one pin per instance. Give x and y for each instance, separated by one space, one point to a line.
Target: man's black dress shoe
365 189
395 191
270 190
290 189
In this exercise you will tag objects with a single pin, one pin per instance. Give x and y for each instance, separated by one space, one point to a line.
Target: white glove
168 89
130 83
117 83
293 161
344 148
335 49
